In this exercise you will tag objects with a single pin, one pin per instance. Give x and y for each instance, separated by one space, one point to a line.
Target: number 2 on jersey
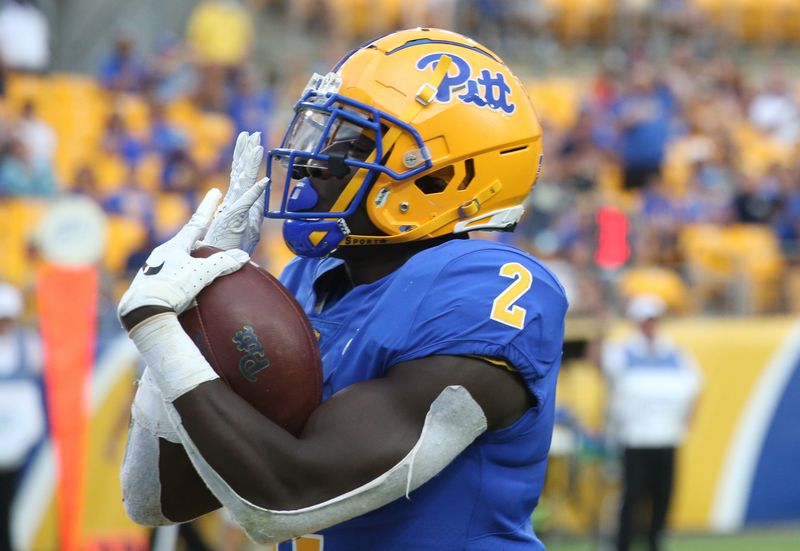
503 308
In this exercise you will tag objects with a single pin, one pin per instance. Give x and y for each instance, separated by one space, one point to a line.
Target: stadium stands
704 259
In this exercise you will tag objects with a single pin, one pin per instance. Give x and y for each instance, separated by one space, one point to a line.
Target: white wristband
174 360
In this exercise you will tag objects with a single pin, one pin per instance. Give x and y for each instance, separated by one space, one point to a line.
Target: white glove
239 217
170 276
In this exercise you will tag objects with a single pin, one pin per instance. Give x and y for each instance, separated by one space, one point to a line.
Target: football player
440 352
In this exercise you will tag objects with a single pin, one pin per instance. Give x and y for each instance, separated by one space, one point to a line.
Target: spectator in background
653 387
210 94
181 174
164 136
24 36
657 225
579 155
251 105
787 223
707 198
117 140
136 259
85 183
123 70
132 201
170 74
21 175
776 112
220 33
758 199
644 115
37 136
22 419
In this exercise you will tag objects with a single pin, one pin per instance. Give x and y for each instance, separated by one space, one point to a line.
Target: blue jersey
463 297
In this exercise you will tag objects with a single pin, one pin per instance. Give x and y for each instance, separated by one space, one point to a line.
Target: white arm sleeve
453 422
141 485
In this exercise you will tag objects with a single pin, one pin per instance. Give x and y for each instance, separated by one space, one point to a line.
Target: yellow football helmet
427 127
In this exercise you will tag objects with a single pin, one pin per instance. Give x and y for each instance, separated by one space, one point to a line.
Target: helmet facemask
332 153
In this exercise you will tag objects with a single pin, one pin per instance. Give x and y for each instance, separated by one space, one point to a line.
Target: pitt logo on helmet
486 90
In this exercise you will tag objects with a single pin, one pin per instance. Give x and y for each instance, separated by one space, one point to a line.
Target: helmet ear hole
435 182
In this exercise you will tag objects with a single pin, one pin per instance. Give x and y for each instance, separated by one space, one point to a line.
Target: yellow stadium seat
124 236
681 154
756 153
214 129
22 87
172 212
149 172
272 253
204 153
135 112
74 85
557 100
759 264
182 113
111 171
653 280
577 20
743 262
18 221
793 289
790 20
705 245
708 263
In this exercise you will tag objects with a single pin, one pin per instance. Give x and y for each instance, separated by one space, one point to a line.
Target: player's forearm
256 458
159 484
453 421
184 495
253 456
340 449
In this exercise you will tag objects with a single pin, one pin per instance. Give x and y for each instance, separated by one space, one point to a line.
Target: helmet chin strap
321 236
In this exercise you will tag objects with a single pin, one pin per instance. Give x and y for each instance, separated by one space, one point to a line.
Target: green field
777 540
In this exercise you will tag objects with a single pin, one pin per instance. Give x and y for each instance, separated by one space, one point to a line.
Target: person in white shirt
653 387
38 137
21 415
24 36
776 112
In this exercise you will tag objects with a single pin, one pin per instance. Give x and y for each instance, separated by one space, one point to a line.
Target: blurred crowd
671 152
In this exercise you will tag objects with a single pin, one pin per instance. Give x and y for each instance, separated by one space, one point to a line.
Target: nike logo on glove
151 270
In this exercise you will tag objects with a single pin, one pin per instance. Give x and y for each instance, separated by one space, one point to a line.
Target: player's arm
365 447
351 439
159 484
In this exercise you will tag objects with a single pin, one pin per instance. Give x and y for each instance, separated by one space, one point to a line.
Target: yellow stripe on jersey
498 362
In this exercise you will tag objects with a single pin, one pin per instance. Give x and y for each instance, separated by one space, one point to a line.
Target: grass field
774 540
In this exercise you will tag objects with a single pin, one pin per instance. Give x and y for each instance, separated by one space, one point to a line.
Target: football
258 339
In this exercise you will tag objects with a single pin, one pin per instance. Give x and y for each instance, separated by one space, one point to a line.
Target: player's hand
171 277
237 224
